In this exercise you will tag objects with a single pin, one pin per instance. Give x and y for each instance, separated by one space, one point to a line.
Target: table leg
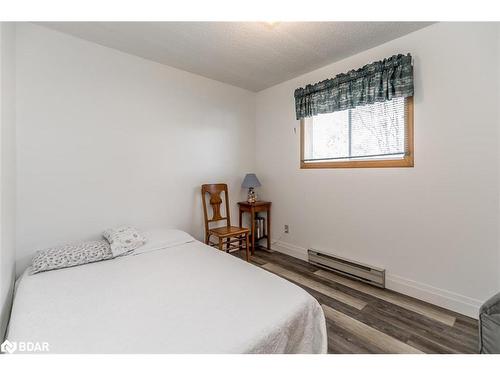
252 218
240 243
269 229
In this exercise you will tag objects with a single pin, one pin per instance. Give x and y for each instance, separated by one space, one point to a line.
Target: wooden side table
253 209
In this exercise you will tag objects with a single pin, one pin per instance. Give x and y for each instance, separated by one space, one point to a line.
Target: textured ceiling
251 55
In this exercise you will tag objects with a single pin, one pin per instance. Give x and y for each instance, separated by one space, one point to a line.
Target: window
373 135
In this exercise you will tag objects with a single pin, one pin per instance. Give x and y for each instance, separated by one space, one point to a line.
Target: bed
180 297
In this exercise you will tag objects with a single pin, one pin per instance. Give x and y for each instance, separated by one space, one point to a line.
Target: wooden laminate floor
365 319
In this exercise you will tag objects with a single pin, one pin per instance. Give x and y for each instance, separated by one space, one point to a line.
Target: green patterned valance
376 82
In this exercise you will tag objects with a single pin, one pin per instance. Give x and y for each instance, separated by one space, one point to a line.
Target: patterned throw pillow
70 255
123 239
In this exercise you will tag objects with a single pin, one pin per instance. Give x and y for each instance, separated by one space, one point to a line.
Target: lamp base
252 197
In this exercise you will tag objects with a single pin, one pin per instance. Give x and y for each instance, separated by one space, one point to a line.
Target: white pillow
70 255
161 238
123 239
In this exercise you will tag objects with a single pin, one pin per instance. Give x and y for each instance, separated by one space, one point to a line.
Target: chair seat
228 231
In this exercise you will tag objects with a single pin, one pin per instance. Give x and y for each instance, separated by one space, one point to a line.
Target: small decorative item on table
251 181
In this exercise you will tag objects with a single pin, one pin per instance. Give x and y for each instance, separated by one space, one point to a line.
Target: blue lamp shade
250 181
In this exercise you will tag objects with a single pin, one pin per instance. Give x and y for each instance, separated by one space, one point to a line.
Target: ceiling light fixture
271 24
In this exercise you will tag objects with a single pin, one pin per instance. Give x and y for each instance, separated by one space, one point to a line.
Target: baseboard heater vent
362 272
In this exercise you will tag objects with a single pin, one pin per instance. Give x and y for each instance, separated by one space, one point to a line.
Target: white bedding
187 298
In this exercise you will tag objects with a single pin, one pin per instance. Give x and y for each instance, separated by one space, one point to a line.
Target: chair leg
228 244
246 247
240 244
220 243
207 237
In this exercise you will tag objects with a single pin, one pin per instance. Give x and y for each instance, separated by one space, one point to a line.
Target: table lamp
251 181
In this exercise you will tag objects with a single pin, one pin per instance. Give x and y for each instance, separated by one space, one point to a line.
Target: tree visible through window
363 136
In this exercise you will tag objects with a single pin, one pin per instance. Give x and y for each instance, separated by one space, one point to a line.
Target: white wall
433 227
498 116
106 138
7 170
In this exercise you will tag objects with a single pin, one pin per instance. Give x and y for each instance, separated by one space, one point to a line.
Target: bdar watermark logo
11 347
8 347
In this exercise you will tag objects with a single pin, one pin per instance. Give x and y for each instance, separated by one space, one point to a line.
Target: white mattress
189 298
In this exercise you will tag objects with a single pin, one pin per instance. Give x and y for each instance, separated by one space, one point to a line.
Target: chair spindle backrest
214 192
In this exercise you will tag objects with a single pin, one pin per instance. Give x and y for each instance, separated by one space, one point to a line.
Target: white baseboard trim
289 249
440 297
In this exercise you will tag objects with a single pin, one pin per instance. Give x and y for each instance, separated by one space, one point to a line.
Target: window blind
374 131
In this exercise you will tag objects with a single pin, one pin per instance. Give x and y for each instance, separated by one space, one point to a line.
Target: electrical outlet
287 229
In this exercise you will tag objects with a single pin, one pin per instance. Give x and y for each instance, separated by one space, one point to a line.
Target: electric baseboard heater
355 270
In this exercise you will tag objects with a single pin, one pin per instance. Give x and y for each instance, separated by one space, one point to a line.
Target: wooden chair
232 237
